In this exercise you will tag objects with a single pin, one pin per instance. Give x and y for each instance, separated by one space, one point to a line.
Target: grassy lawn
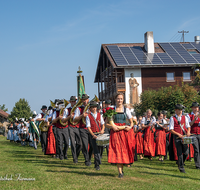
51 173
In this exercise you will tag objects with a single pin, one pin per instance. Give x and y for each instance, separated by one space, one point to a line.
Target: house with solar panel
131 68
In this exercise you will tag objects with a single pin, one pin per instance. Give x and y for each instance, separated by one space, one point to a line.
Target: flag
81 87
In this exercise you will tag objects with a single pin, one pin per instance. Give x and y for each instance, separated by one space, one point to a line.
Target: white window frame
186 79
169 80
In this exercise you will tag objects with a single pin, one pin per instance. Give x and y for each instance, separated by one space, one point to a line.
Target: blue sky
43 42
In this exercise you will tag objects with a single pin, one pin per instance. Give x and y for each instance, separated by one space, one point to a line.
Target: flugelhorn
79 103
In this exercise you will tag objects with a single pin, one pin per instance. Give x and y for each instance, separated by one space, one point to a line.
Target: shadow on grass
85 173
171 175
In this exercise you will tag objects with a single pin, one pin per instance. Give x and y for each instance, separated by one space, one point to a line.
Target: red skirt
121 146
149 144
139 143
160 142
51 144
191 152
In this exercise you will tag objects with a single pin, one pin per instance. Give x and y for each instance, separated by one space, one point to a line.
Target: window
170 77
192 51
186 76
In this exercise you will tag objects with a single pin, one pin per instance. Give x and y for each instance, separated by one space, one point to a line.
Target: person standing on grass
122 143
179 126
160 136
139 138
149 144
194 121
95 126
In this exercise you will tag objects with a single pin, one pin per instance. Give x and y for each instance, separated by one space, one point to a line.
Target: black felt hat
85 96
93 104
108 102
179 107
50 108
60 102
44 107
195 104
73 98
164 112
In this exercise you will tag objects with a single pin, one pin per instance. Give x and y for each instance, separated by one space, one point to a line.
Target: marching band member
139 138
194 121
43 135
160 136
149 144
23 133
74 133
15 130
121 145
84 133
62 132
95 126
179 126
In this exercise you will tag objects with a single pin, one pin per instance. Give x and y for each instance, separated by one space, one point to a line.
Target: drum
103 139
189 140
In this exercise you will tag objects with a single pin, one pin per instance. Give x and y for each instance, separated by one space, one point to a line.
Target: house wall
154 78
137 76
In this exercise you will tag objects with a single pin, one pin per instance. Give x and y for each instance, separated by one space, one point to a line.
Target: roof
3 114
134 55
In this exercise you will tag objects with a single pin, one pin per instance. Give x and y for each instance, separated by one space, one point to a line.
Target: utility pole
183 32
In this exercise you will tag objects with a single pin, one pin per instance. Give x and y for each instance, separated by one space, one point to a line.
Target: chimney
197 39
149 42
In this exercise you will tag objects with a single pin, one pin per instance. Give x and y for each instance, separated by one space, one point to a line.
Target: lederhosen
160 140
95 127
195 129
182 149
85 137
76 143
62 136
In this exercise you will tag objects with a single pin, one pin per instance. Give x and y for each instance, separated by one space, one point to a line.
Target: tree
3 107
21 110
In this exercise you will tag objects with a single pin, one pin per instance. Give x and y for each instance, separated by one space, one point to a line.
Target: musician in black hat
79 115
95 126
62 131
73 130
194 121
43 135
179 126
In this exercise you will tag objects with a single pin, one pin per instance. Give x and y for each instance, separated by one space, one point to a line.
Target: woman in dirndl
160 136
122 142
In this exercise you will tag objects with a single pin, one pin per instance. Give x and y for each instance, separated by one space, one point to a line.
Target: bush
166 98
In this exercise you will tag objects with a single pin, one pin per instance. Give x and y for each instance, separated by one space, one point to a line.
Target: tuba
43 125
52 104
79 103
96 99
62 111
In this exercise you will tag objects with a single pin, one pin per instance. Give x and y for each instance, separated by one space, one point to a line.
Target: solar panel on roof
139 53
165 58
184 53
196 45
130 57
172 53
117 55
154 58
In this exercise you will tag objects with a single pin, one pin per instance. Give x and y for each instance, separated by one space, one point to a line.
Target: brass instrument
62 111
96 99
52 104
79 103
43 125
